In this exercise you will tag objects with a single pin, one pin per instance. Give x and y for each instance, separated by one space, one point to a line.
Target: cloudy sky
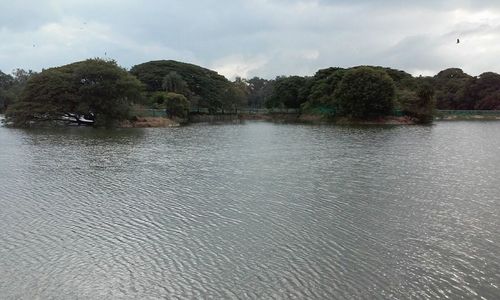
248 38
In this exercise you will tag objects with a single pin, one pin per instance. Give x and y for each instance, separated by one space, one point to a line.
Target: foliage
401 79
322 97
157 100
489 102
456 90
174 83
485 90
11 86
92 86
420 103
365 92
450 85
6 82
177 105
235 96
102 88
324 83
259 92
289 92
205 86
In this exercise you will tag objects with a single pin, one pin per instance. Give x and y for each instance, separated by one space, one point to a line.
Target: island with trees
101 93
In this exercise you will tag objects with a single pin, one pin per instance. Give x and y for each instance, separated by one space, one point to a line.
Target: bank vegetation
101 93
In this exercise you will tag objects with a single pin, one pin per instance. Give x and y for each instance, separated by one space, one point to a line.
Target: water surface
253 211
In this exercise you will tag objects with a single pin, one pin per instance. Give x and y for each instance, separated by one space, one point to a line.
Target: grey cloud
24 15
254 37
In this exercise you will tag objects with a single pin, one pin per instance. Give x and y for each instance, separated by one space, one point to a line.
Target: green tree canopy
174 83
11 86
402 79
419 103
177 105
206 86
289 92
450 85
365 92
6 82
94 86
485 90
259 91
324 83
236 96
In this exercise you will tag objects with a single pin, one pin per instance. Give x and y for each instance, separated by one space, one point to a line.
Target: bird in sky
458 41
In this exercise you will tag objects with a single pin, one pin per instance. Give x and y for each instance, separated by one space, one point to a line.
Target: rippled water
251 211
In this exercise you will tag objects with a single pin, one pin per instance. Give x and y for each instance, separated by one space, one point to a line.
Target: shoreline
149 122
320 119
163 122
468 118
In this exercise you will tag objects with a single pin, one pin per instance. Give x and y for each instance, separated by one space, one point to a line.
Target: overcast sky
249 38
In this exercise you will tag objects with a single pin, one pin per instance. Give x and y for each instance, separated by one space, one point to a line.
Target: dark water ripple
255 211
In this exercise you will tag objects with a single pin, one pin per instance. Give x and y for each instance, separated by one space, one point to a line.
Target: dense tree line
454 89
94 87
203 88
12 85
107 92
451 89
457 90
359 92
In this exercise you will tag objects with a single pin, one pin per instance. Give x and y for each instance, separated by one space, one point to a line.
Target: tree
485 91
289 92
94 86
6 82
365 92
489 102
234 98
421 103
173 83
157 100
177 105
401 79
424 110
257 88
450 86
11 86
206 87
239 91
324 83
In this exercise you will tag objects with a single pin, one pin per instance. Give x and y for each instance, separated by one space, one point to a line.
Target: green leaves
365 92
289 92
177 105
92 86
203 87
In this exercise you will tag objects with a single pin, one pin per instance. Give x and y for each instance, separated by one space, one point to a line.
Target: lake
251 211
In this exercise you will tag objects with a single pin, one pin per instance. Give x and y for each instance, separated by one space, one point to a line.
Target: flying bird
458 41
